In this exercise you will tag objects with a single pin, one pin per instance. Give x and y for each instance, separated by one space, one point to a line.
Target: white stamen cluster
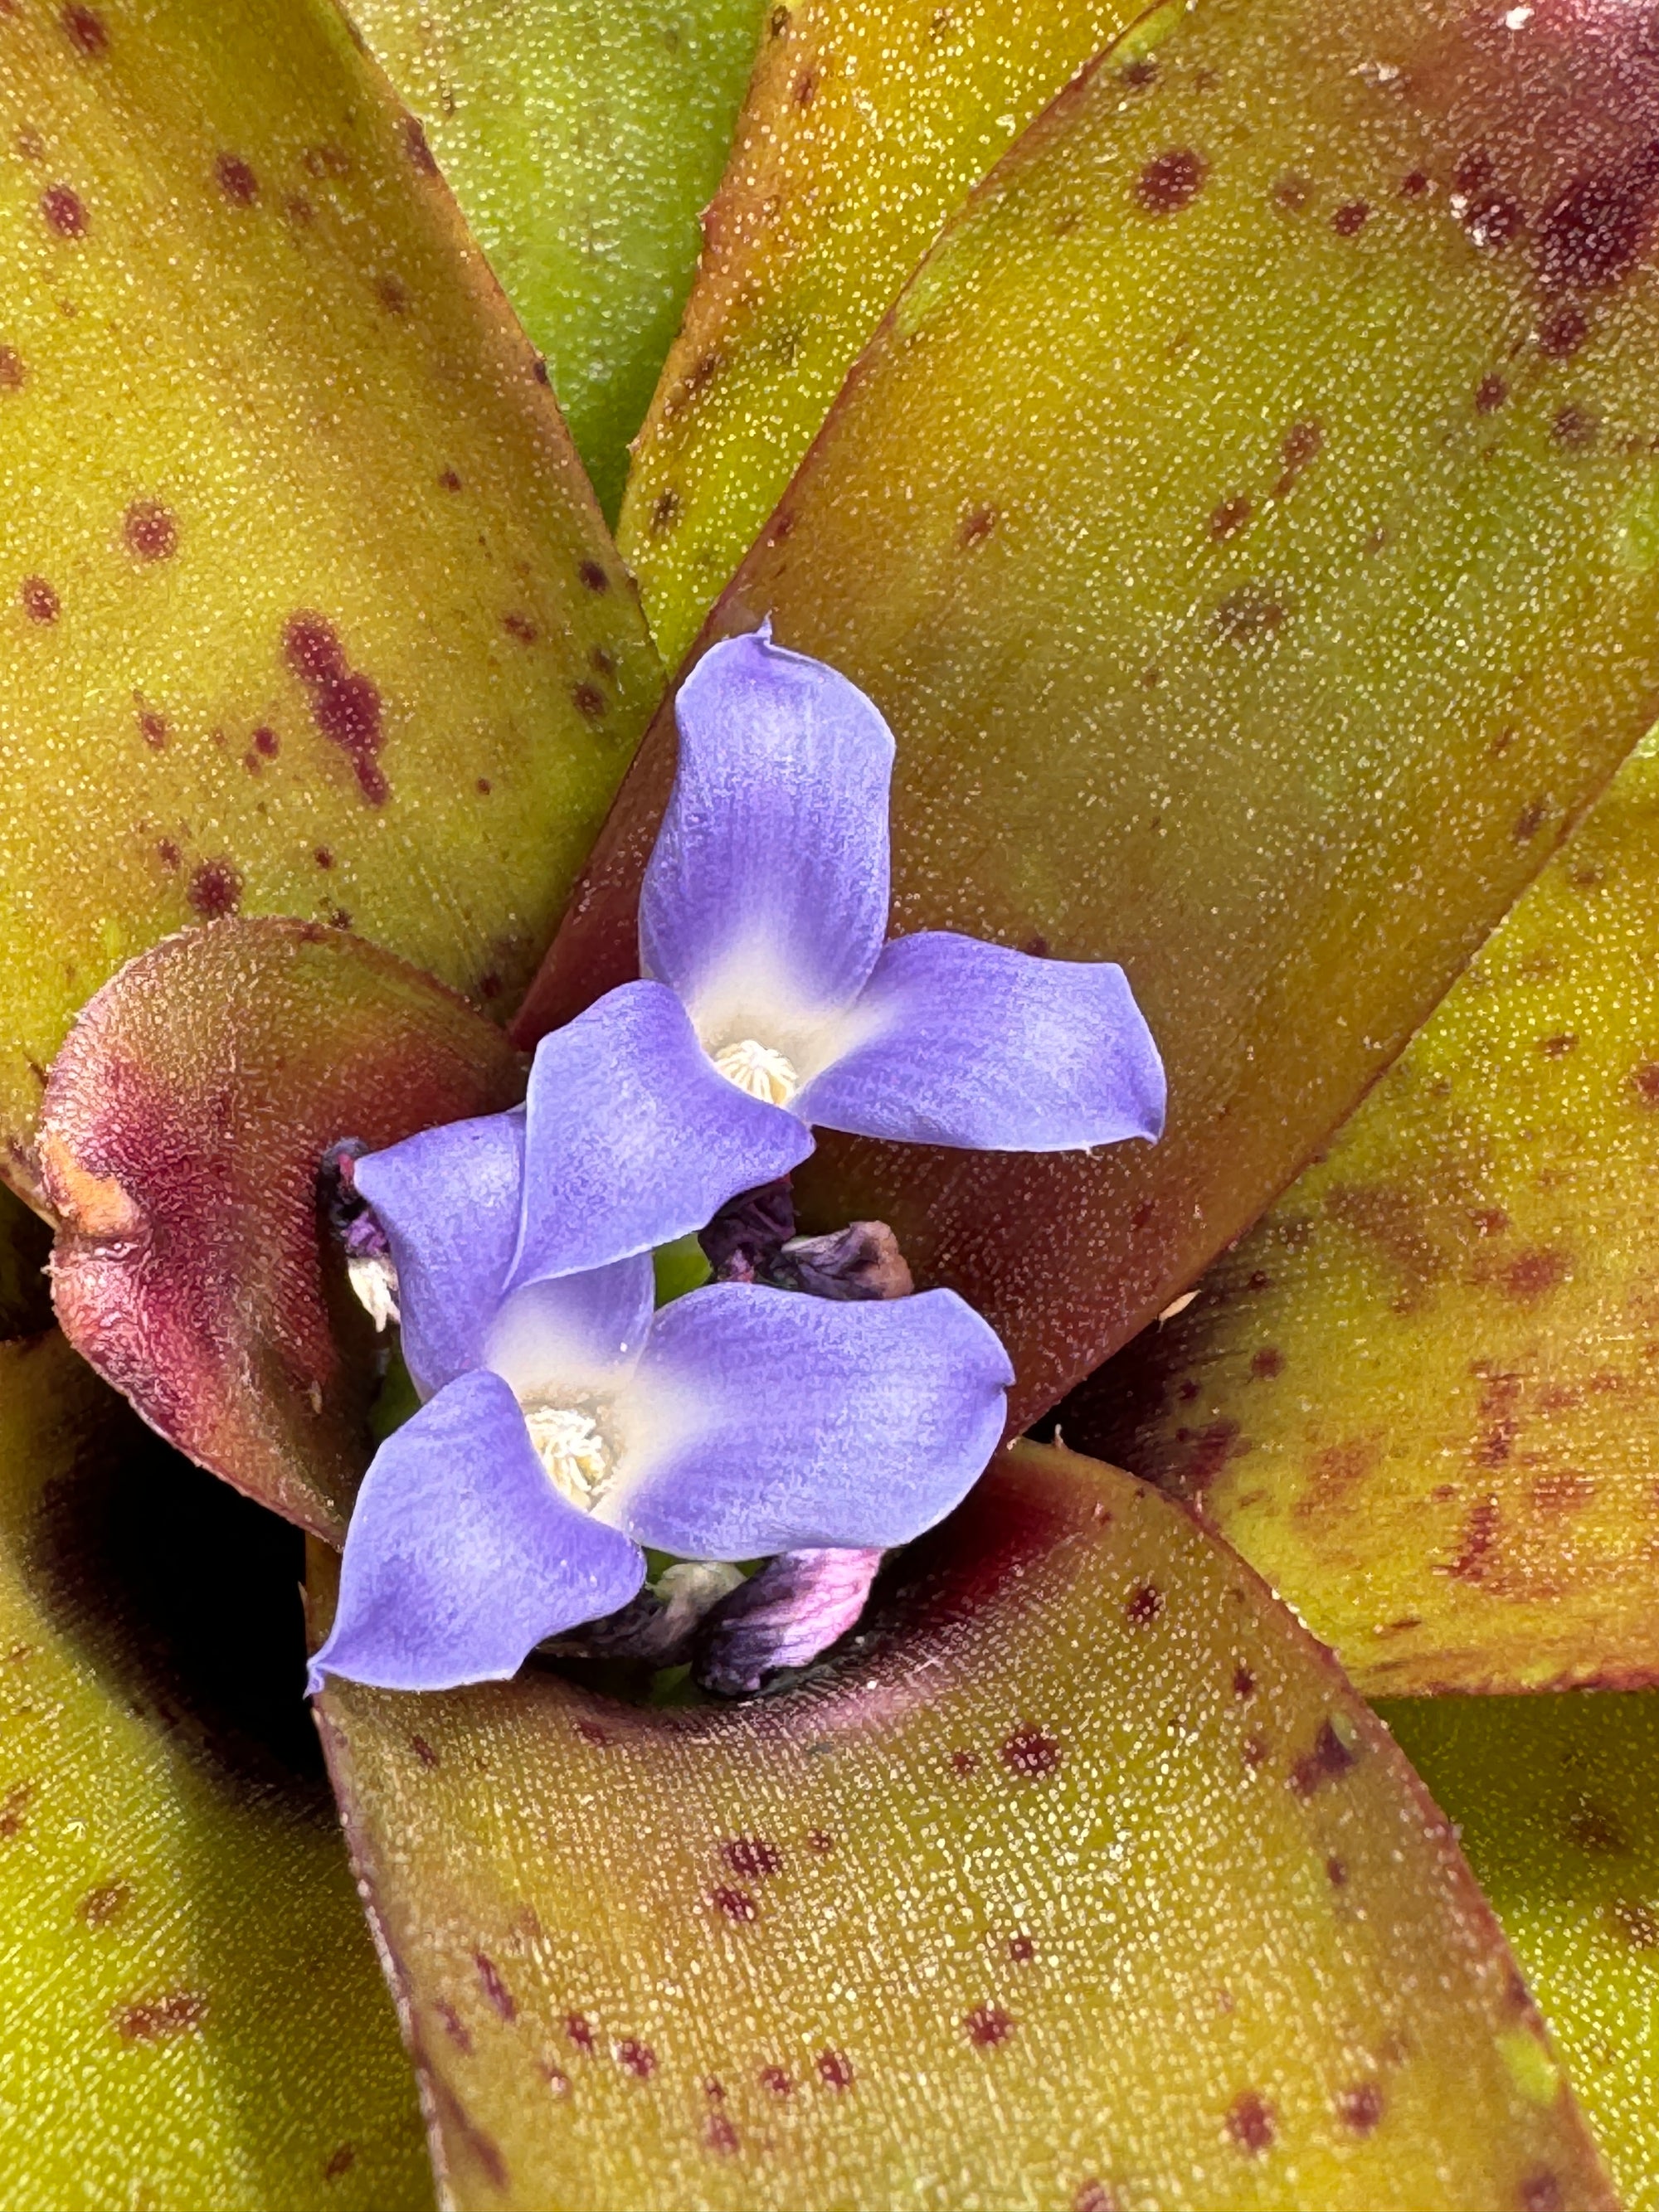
757 1069
570 1448
374 1280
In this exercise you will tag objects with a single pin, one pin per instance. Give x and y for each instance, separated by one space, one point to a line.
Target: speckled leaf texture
866 123
185 1124
190 2011
1245 521
582 139
1557 1804
1080 1880
1422 1397
305 604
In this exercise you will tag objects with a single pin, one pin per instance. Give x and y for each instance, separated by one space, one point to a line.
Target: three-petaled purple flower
565 1426
738 1420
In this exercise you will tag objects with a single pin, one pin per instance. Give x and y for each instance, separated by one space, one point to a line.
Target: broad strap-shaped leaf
1421 1396
25 1244
305 604
1556 1802
867 123
185 1124
581 142
1244 520
190 2010
1081 1878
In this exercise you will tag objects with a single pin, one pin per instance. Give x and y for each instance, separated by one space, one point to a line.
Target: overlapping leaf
866 123
582 143
191 2013
1244 519
1556 1802
1422 1395
1082 1880
185 1124
304 605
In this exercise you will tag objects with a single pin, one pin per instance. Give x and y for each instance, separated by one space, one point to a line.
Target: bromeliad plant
1243 518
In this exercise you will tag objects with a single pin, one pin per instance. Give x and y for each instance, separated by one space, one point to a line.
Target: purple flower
567 1424
772 1003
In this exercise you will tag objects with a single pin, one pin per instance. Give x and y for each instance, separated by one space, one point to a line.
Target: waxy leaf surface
1557 1803
191 2013
582 142
1422 1397
867 123
186 1121
305 604
1245 521
1081 1878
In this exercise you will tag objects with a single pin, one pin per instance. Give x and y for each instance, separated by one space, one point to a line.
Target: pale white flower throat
757 1068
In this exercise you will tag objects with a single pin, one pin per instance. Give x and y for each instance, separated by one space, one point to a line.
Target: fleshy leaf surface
191 2012
582 143
1422 1395
1557 1803
1081 1878
305 604
185 1120
1241 521
865 124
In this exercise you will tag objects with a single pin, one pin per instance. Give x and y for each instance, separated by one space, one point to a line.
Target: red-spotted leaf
1080 1879
184 1124
1246 519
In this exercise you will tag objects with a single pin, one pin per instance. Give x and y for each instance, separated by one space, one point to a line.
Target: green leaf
1557 1801
581 142
305 604
185 1124
866 123
1080 1879
1420 1396
1230 623
189 2011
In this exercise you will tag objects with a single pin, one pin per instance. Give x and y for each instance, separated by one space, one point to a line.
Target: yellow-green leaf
866 123
1422 1397
581 140
1081 1878
305 604
190 2010
184 1127
1235 530
1557 1801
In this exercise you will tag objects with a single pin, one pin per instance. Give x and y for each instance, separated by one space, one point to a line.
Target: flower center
570 1448
756 1068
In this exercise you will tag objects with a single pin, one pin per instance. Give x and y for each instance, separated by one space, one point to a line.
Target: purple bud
742 1241
784 1615
862 1260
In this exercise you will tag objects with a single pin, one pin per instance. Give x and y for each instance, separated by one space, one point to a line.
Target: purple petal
760 1421
559 1342
957 1042
635 1137
765 901
448 1200
461 1555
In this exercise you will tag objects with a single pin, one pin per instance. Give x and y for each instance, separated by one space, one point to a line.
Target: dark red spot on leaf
236 180
835 2069
1143 1604
1575 428
63 212
13 1809
751 1855
12 371
1094 2196
1031 1752
489 1980
216 888
576 2028
1299 445
806 86
153 2020
638 2059
1490 394
1021 1949
418 1744
593 577
1351 218
987 2026
1250 2122
167 852
1542 2191
150 532
734 1904
1171 180
518 625
1243 1682
1360 2108
1413 185
85 31
1229 517
963 1762
344 705
1529 1274
100 1906
1592 233
976 525
539 371
1250 616
665 511
1644 1082
820 1840
777 2081
415 145
1267 1364
588 701
1329 1760
719 2134
152 728
267 742
40 602
1529 822
454 2026
1292 192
